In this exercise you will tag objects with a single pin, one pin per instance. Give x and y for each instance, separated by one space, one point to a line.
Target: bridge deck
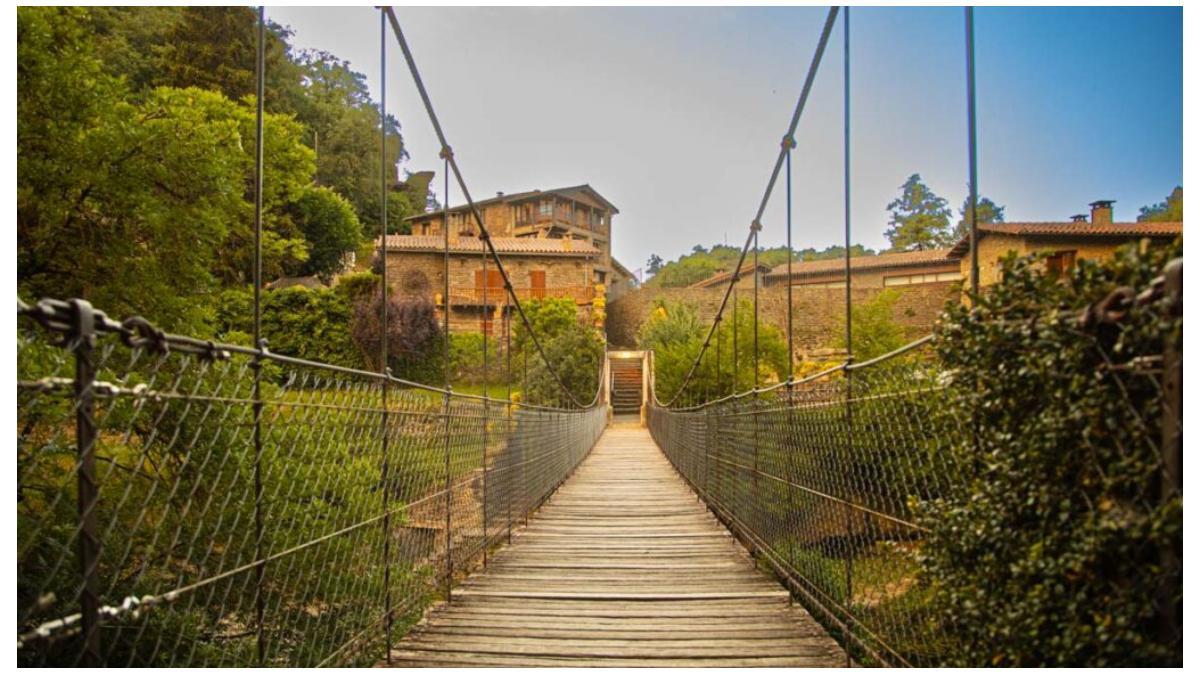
623 566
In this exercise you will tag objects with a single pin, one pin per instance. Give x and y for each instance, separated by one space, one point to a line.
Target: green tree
986 211
1169 210
654 264
343 128
919 218
141 205
215 48
676 335
573 350
873 330
330 227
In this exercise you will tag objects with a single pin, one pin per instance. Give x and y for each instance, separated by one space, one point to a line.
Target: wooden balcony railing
496 294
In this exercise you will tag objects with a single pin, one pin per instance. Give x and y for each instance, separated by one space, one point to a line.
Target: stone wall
818 313
422 273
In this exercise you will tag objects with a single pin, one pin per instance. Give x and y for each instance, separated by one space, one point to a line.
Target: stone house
578 213
537 268
885 270
1066 242
746 276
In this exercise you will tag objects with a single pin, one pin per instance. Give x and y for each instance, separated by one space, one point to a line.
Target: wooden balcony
582 295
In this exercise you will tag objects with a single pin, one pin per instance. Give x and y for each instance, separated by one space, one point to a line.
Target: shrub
676 336
311 324
874 332
1053 553
329 225
573 349
413 336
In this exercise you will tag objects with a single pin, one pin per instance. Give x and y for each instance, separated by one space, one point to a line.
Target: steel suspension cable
259 545
971 148
447 153
755 225
383 344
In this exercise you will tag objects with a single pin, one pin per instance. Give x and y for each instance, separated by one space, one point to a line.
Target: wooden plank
623 566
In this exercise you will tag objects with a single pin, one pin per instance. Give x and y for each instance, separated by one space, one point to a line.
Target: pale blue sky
675 114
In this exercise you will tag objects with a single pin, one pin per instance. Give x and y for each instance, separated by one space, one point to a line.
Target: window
1059 263
925 278
821 284
537 283
546 208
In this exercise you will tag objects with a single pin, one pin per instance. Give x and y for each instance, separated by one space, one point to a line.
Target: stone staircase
626 385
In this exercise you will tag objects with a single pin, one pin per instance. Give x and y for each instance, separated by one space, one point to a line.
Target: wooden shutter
537 283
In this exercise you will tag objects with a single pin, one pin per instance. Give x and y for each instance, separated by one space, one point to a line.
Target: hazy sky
675 114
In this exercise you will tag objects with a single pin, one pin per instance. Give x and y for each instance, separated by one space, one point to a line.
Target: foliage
986 211
1169 210
215 48
572 348
331 228
136 144
702 263
676 335
1052 555
873 330
466 360
413 335
312 324
654 264
919 218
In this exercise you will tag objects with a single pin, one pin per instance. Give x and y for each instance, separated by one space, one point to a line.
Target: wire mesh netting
250 508
819 477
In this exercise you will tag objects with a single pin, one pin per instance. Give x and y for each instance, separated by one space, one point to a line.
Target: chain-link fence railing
183 503
818 476
825 479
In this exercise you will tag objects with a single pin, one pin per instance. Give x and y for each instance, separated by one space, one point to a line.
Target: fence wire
818 477
823 478
200 546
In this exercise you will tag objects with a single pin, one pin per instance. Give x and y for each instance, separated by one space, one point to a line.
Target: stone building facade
537 268
924 280
1064 242
578 214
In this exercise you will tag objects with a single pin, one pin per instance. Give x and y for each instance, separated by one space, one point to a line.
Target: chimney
1079 218
1102 212
499 195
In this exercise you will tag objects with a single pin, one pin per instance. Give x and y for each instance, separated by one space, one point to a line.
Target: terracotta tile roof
518 196
931 256
721 277
521 245
1076 229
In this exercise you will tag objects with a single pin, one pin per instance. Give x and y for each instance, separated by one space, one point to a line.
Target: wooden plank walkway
623 566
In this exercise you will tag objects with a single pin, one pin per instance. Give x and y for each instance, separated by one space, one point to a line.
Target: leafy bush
873 330
1054 553
676 335
414 338
466 359
311 324
573 349
329 225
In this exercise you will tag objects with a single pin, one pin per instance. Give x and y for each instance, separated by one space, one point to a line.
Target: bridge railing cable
836 479
159 473
447 153
785 148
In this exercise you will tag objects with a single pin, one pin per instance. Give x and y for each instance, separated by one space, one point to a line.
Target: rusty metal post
449 500
487 323
508 408
259 547
84 342
385 478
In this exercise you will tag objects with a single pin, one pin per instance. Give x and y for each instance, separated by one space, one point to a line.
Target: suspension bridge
184 502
